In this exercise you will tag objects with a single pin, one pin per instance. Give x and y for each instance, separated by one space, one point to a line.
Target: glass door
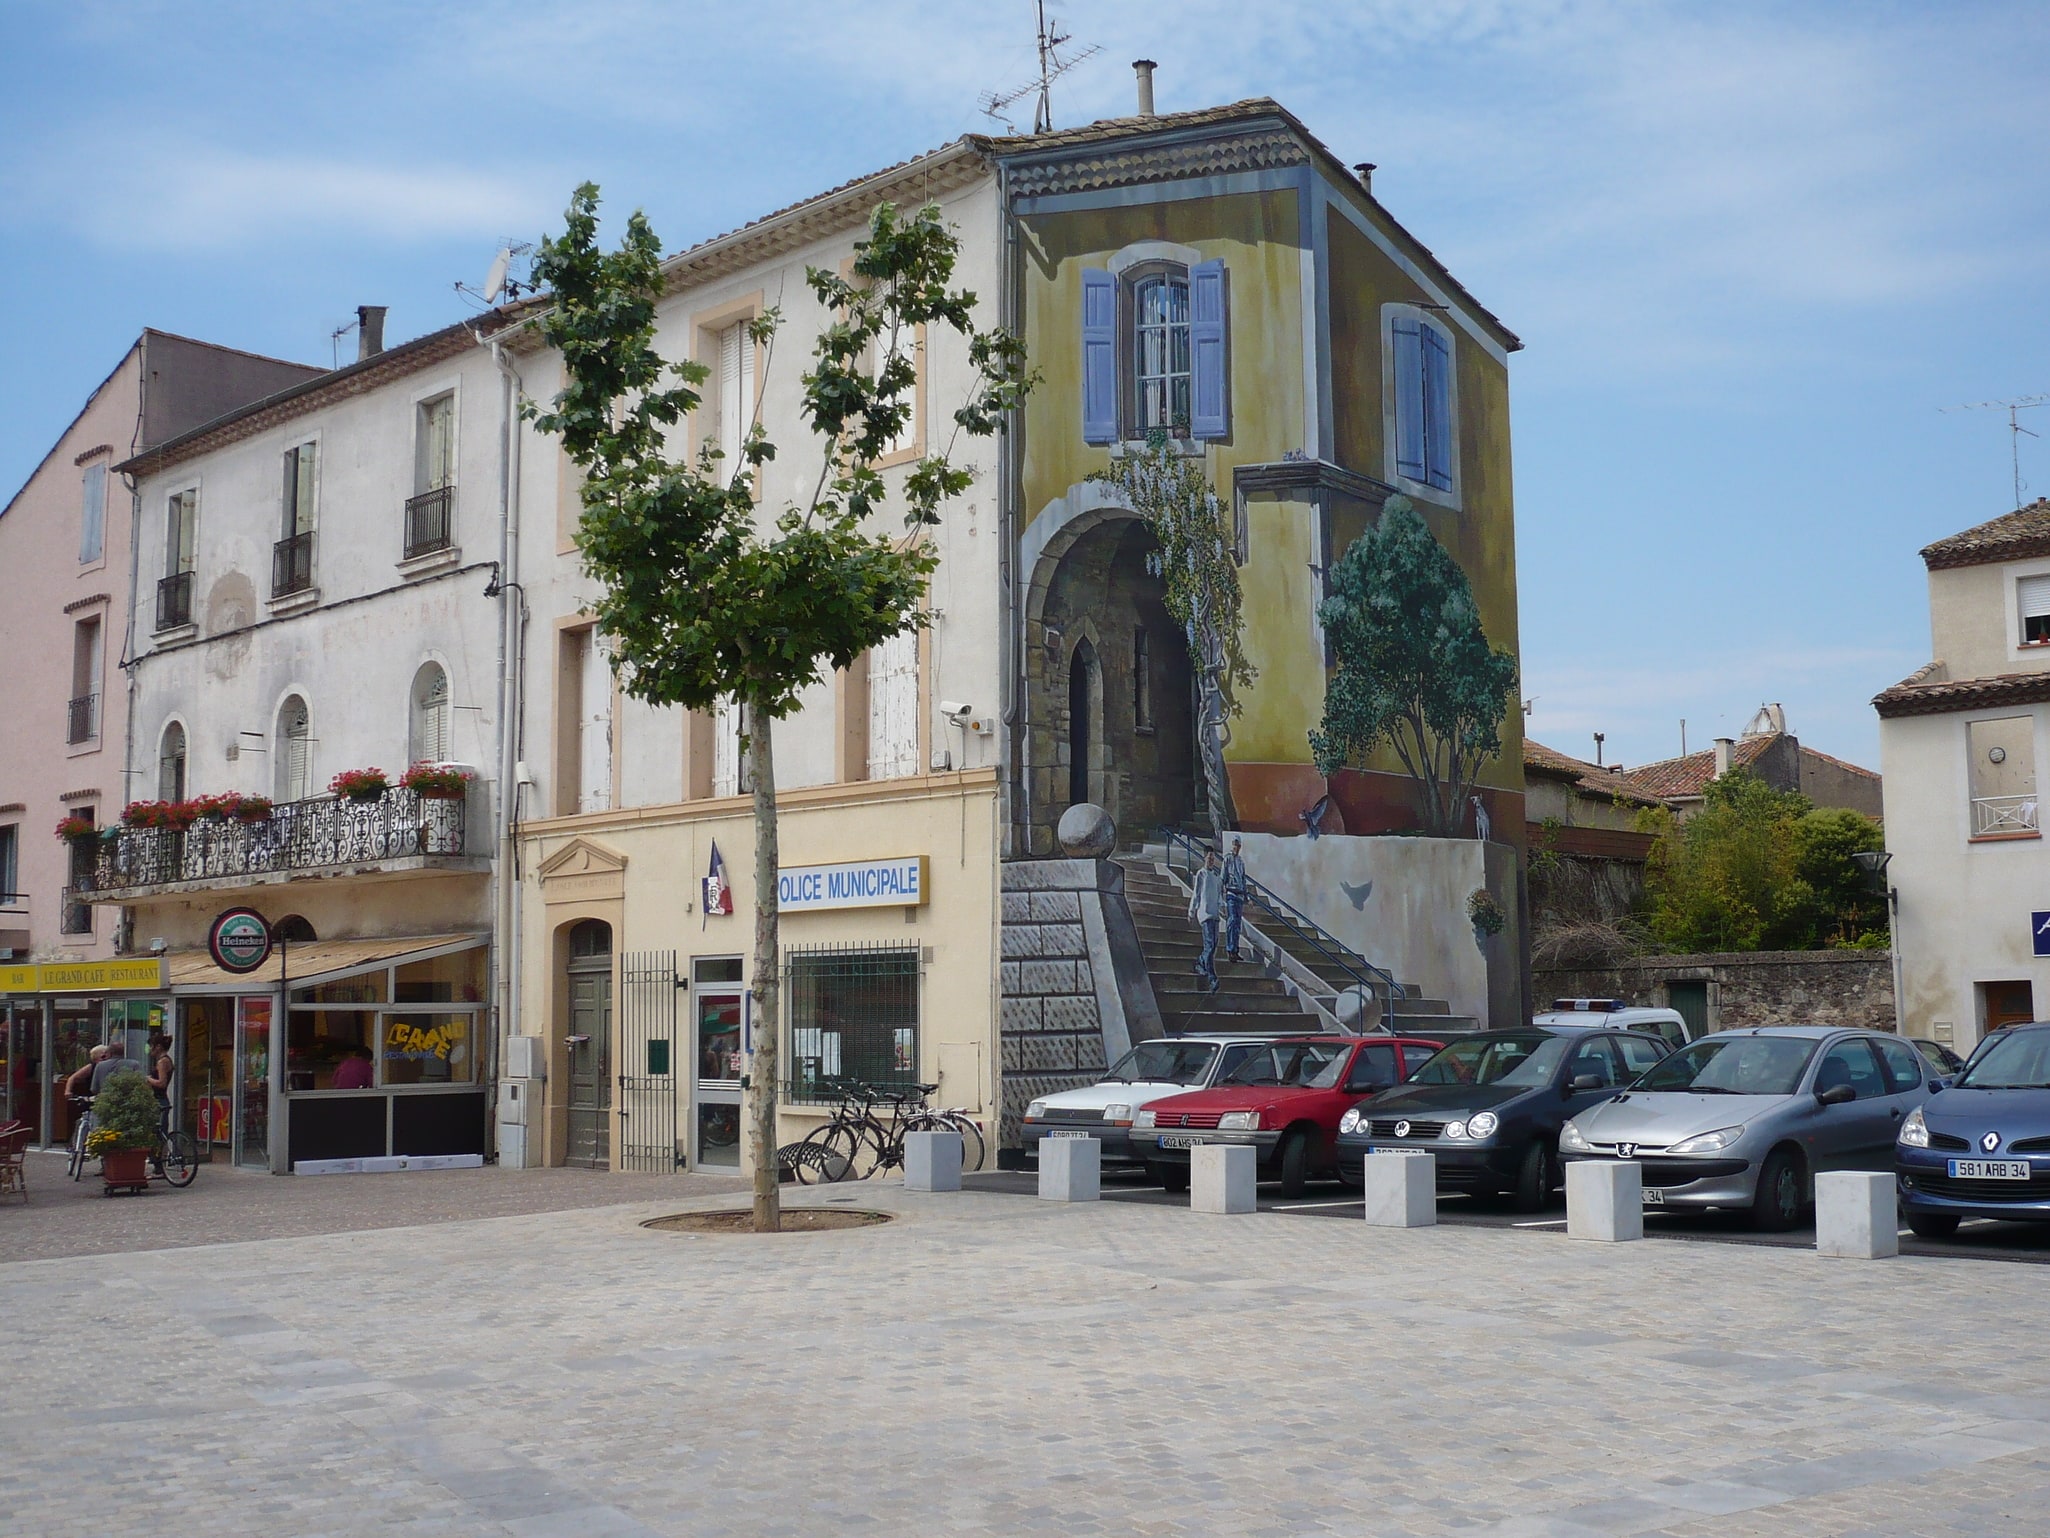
718 1002
252 1084
206 1074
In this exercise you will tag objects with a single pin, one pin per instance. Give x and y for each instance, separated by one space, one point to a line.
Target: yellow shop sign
85 976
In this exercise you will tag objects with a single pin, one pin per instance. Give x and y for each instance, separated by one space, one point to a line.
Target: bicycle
81 1129
859 1142
175 1158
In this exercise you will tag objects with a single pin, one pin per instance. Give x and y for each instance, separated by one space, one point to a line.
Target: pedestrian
79 1085
1234 897
1205 904
116 1061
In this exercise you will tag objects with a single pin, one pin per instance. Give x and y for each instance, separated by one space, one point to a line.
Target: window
1142 681
1851 1063
853 1013
434 445
76 918
171 764
1422 396
1593 1058
594 726
907 346
893 707
92 523
1903 1066
84 722
2001 776
10 863
180 527
729 763
294 751
1373 1069
736 404
2032 600
430 733
1154 353
297 501
1640 1053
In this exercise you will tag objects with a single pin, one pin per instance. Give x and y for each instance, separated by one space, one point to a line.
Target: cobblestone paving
991 1365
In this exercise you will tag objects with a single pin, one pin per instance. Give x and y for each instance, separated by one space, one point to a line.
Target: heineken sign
239 940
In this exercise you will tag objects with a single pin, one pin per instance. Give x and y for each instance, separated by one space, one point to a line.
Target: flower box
432 782
360 784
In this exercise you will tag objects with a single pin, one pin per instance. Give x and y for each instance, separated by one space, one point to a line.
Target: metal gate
647 1062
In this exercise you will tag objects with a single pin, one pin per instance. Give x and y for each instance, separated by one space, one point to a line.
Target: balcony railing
430 521
291 565
84 722
1993 815
300 835
174 601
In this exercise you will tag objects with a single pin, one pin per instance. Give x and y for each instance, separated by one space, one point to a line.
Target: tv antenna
1051 67
2015 430
499 283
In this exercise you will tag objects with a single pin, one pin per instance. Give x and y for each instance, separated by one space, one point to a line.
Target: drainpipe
131 664
511 624
1011 634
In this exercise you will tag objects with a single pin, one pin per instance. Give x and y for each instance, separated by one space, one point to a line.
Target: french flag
718 895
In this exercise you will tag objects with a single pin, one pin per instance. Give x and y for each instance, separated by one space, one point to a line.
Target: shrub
1485 912
124 1114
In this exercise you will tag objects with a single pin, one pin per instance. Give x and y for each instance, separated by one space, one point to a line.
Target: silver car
1746 1118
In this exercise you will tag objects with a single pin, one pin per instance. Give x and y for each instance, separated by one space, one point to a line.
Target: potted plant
251 809
143 814
436 782
77 830
124 1131
1485 913
360 784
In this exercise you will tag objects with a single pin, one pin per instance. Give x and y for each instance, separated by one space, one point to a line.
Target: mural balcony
400 835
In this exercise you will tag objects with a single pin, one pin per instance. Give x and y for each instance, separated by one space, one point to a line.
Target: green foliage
1484 912
1761 869
1415 670
125 1110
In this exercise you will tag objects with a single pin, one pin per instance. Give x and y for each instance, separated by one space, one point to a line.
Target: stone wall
1850 988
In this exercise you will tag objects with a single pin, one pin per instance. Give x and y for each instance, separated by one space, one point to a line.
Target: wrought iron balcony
430 521
1995 815
174 601
323 833
84 724
291 565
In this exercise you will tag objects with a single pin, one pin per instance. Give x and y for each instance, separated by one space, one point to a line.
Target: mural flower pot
125 1167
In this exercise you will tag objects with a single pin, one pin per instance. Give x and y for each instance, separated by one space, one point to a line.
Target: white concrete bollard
1222 1177
1402 1189
1857 1215
1605 1200
1070 1169
932 1161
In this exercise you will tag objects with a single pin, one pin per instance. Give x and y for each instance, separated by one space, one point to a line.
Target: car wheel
1172 1177
1295 1162
1932 1225
1782 1193
1534 1179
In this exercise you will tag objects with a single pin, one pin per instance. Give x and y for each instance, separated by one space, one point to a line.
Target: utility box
513 1097
524 1058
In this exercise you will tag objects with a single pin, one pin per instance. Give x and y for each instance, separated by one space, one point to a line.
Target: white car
1614 1015
1148 1072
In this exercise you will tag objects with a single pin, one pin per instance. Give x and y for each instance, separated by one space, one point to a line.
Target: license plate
1181 1141
1654 1198
1069 1132
1374 1149
1989 1169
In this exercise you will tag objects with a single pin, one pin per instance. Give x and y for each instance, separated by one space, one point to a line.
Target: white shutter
431 718
726 749
736 395
436 464
893 708
905 345
2034 596
594 777
295 755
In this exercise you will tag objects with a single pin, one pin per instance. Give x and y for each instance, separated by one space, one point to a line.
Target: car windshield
1286 1062
1737 1065
2020 1060
1523 1060
1164 1062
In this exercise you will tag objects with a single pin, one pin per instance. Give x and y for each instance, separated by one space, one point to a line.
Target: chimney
1365 172
1723 746
369 330
1144 68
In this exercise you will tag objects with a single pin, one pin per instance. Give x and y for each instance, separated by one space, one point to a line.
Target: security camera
956 712
158 946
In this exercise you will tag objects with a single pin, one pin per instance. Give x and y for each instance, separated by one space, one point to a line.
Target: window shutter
893 708
2034 594
92 526
1409 397
1099 356
1208 395
1437 408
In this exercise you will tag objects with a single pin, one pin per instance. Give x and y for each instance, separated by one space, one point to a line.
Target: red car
1284 1101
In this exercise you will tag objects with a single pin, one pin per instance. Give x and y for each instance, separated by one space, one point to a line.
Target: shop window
453 979
363 988
331 1049
2002 777
424 1048
853 1014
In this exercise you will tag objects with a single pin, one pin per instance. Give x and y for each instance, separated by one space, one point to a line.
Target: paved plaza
990 1364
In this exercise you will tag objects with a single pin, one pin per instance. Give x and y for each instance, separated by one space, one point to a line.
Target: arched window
1160 351
1082 693
171 764
590 939
430 741
294 928
293 750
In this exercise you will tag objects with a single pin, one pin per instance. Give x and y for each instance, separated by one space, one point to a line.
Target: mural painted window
2002 776
1142 681
2032 600
294 751
171 764
92 524
1154 355
430 716
1425 452
893 708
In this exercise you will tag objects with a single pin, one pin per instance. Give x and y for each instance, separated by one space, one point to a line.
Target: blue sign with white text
854 884
2039 928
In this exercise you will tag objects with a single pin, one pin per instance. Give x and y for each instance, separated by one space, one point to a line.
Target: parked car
1286 1104
1746 1119
1489 1107
1981 1149
1166 1066
1669 1025
1946 1062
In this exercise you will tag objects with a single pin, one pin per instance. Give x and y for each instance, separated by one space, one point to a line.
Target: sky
1755 252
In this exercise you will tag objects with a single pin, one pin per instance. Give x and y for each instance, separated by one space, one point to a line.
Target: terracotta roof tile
1689 775
2010 537
1925 693
1595 779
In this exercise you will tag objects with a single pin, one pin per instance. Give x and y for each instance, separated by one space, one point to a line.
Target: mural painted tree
1415 671
708 595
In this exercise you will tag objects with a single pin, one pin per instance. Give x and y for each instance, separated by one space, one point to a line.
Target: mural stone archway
1098 637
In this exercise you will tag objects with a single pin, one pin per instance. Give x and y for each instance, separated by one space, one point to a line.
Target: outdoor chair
13 1144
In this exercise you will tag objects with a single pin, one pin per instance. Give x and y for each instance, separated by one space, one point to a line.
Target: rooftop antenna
1051 67
334 340
2015 430
499 283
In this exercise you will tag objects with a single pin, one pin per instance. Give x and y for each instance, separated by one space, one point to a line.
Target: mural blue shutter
1208 411
1437 409
1099 356
1409 397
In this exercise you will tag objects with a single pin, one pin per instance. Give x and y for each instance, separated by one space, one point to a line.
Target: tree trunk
763 1067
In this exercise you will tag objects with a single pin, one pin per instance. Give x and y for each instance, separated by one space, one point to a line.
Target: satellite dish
494 281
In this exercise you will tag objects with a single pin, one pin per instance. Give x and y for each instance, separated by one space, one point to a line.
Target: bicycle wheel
825 1156
181 1159
78 1132
971 1139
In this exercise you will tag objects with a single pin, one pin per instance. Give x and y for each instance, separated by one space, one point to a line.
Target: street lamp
1873 863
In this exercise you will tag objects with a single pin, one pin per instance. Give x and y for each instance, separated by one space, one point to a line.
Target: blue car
1981 1148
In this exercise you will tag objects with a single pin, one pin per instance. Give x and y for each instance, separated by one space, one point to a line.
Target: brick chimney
1724 746
369 330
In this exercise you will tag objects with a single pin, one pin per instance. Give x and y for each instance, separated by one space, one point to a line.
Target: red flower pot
125 1167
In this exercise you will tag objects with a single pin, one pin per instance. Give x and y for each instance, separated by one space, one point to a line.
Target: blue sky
1753 250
